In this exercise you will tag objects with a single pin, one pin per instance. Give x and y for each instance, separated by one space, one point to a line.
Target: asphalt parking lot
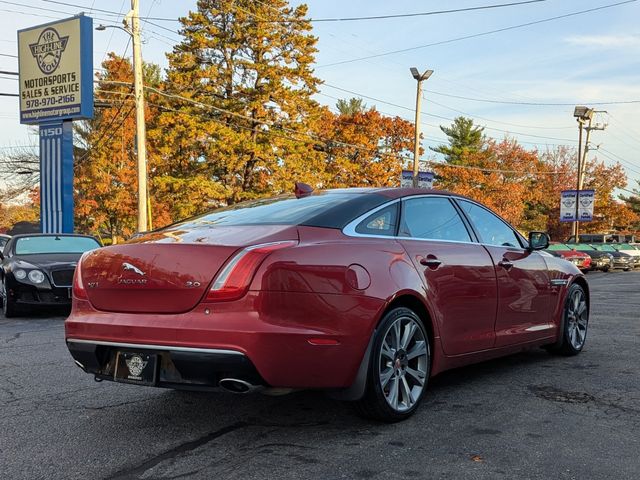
531 415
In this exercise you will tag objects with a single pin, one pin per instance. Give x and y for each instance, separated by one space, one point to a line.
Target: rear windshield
332 210
53 244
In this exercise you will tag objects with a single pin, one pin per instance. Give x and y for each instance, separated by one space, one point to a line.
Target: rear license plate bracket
135 367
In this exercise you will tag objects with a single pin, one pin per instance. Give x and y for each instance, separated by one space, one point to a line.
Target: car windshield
54 244
558 247
625 246
583 247
605 248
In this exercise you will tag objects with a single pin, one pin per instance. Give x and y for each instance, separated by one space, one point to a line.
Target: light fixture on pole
582 114
131 23
416 149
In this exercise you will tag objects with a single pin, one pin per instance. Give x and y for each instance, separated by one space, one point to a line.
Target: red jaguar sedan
364 293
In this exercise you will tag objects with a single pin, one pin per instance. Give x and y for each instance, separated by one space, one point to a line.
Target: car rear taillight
234 279
79 291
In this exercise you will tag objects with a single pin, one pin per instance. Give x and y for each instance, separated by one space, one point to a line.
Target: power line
475 35
618 158
446 118
406 15
4 94
343 19
537 104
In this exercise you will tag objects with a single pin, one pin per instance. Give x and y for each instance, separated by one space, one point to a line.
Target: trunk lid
168 271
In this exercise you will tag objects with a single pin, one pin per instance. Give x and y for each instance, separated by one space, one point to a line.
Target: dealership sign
425 179
56 71
586 200
56 87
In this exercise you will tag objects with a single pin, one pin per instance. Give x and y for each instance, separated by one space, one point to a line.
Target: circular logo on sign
48 50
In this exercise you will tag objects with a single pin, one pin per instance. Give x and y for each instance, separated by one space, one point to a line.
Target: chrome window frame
350 229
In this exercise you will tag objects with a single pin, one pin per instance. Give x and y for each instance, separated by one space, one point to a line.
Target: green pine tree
464 138
249 66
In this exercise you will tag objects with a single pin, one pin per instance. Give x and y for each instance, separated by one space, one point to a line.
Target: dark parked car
629 250
3 240
37 270
366 293
599 260
621 260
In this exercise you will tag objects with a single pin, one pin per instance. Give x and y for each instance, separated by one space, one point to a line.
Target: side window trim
521 240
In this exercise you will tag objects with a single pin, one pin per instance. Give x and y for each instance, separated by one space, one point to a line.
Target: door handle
430 261
506 264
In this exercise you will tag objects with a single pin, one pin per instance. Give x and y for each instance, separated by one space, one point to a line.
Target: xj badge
136 365
48 50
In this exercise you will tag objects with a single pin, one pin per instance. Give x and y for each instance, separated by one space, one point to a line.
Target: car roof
394 192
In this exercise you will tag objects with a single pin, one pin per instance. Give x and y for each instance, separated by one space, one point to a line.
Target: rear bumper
192 368
275 332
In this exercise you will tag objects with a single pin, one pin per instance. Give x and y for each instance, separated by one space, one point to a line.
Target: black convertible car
37 270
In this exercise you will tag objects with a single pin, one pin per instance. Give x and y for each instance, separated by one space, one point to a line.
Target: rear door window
433 218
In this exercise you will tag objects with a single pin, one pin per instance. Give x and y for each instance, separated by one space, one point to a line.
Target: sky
575 60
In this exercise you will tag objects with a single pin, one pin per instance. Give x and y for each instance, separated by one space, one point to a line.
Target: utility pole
583 115
416 149
141 135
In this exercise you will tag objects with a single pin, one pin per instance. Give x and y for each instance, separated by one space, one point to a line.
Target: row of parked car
598 256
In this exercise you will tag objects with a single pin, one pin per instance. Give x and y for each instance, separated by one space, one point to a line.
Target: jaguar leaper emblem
127 267
48 50
136 365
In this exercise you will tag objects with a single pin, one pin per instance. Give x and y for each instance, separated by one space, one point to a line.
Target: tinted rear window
331 210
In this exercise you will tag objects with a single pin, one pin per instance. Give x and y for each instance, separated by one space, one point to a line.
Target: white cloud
605 41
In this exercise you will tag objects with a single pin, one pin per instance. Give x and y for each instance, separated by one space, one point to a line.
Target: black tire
605 269
574 327
9 308
376 403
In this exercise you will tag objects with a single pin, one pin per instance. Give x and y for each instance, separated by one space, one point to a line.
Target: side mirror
538 240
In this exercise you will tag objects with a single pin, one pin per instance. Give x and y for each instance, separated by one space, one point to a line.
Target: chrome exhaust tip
235 385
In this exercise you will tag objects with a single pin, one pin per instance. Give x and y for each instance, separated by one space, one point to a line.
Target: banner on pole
425 179
586 200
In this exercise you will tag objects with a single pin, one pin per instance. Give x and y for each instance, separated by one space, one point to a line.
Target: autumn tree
464 138
609 213
366 149
632 202
105 158
502 176
241 116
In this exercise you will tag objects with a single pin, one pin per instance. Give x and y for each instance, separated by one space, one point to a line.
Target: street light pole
582 115
141 134
416 149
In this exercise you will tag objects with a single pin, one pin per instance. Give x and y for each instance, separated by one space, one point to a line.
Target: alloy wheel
403 363
577 318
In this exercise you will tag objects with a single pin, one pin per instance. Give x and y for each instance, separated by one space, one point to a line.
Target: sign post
56 87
